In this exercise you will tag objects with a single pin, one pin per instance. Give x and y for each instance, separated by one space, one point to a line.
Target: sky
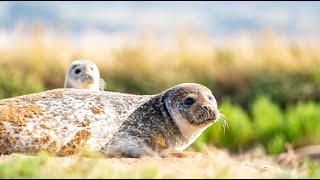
219 18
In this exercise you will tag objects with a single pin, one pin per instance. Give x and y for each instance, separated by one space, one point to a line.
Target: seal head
173 119
83 74
192 107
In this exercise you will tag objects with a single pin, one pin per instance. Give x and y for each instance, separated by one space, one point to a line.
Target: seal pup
84 74
61 121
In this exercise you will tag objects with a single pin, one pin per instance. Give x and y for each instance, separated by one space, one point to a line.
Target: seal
63 121
84 74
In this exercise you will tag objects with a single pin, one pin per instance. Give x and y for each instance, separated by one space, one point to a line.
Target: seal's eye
91 68
189 101
211 98
77 71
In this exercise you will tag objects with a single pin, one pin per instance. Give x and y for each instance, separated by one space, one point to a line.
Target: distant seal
117 124
84 74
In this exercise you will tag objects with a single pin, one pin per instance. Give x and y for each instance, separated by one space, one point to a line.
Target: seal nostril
207 108
208 112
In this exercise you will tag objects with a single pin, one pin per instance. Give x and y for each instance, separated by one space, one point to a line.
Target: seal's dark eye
211 98
77 71
91 68
189 101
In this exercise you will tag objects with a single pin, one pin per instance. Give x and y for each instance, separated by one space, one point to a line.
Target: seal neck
161 105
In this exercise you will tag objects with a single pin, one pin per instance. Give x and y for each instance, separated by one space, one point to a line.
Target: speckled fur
62 121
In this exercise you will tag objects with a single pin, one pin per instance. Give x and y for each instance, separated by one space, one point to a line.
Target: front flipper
126 146
102 85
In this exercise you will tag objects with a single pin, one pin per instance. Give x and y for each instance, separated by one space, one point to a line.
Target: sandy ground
215 164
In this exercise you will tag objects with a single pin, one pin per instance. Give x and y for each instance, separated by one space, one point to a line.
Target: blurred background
260 59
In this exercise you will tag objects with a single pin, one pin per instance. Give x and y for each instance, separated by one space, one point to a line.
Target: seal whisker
219 123
223 122
225 119
224 127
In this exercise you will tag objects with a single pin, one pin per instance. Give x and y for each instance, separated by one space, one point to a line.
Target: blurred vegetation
41 165
268 90
265 124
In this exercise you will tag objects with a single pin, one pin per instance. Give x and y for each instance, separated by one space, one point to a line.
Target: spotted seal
117 124
84 74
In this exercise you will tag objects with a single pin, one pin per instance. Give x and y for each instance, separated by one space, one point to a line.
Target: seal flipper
122 147
102 85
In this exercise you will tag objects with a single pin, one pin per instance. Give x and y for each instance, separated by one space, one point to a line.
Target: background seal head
83 74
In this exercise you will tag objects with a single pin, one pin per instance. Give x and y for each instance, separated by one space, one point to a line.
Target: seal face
83 74
117 124
193 108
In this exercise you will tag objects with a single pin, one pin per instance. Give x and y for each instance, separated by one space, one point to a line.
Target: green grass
267 124
23 168
14 83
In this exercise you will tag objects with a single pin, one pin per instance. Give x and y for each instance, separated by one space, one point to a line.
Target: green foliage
281 87
276 145
309 169
14 83
148 173
266 124
22 168
302 123
237 134
267 118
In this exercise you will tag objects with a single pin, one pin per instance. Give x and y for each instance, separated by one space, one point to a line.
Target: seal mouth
210 120
205 121
87 78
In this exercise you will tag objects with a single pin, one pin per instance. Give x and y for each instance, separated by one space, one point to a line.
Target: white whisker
223 120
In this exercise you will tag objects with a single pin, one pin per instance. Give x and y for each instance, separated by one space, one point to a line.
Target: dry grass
185 56
218 164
